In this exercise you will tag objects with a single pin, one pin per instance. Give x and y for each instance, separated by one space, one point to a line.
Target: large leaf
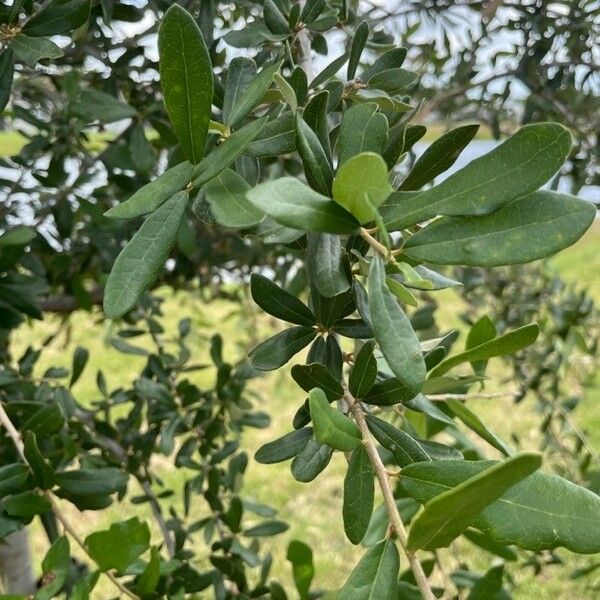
359 492
439 157
361 185
60 17
226 194
119 545
375 577
295 205
516 168
186 80
139 263
277 350
30 49
363 129
153 194
542 511
279 303
446 516
330 425
393 332
507 343
530 228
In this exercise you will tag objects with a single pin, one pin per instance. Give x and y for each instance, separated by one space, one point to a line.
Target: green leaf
388 392
329 71
92 482
316 164
325 263
361 185
541 512
43 473
226 194
17 236
392 59
60 17
439 157
186 80
13 479
375 577
317 375
484 541
287 91
277 350
55 569
285 447
393 81
240 74
483 330
446 516
226 153
316 117
488 586
363 374
358 44
514 169
293 204
279 303
393 332
507 343
276 137
301 557
139 263
119 545
7 72
26 505
274 19
31 50
95 105
254 93
267 529
151 575
359 492
149 197
527 229
330 425
311 461
404 448
363 129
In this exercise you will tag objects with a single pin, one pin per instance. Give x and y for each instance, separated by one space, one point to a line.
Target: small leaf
527 229
240 74
274 19
363 129
523 163
311 461
358 44
92 482
507 343
186 80
226 194
488 586
363 374
293 204
316 164
393 332
317 375
388 392
148 198
150 577
95 105
139 263
267 529
31 50
287 91
119 545
483 330
26 505
7 71
361 185
325 263
301 557
55 569
359 492
285 447
445 517
330 425
392 59
277 350
376 574
43 473
276 137
279 303
393 81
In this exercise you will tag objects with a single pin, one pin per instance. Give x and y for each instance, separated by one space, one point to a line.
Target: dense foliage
271 164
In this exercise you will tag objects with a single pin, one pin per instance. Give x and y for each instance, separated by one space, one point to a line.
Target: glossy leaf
527 229
394 333
149 197
516 168
186 79
137 266
317 375
446 516
330 425
295 205
361 185
359 493
375 576
277 350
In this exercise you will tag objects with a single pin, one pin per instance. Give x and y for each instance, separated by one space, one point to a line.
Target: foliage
261 164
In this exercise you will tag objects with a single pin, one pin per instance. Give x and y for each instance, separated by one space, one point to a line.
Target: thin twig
388 496
472 396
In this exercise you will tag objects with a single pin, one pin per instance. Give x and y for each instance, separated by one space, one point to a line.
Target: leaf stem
375 244
388 496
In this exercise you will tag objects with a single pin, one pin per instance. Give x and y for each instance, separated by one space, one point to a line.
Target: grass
313 510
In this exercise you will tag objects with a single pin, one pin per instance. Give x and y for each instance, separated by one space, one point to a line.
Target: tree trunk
16 575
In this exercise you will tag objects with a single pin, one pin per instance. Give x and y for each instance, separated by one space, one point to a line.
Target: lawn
313 510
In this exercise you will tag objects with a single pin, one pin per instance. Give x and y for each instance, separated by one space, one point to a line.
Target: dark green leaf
267 528
483 330
392 59
55 569
388 392
7 71
137 266
186 80
13 479
446 516
393 81
31 50
316 164
276 137
43 473
489 586
277 350
358 43
317 375
273 18
363 129
325 263
91 482
363 374
329 71
285 447
60 17
26 505
359 492
311 461
240 74
315 115
95 105
301 557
